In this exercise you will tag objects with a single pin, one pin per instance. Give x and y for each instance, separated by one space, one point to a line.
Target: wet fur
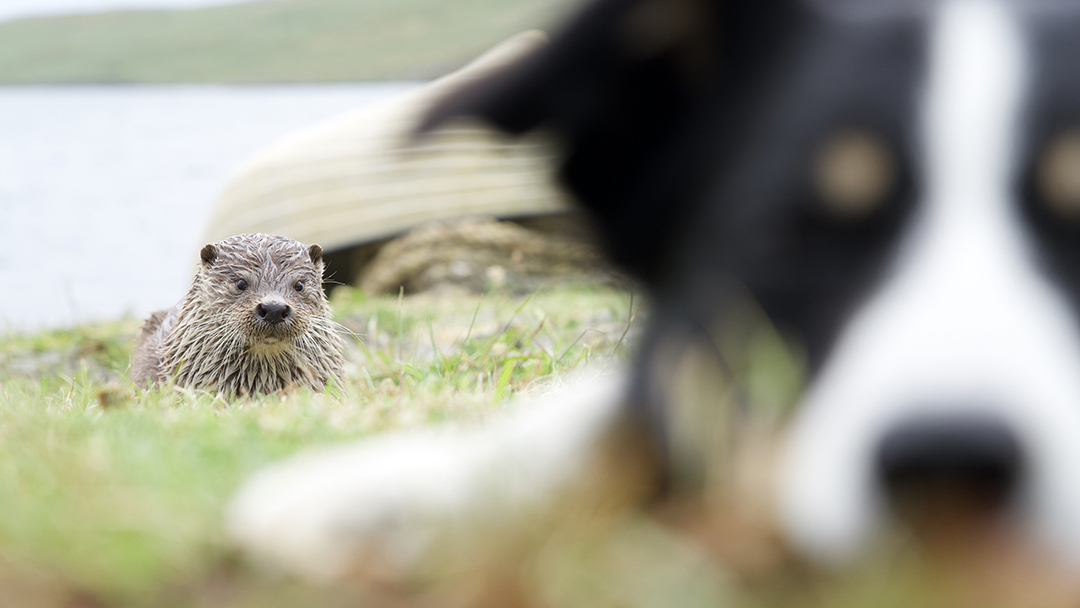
213 340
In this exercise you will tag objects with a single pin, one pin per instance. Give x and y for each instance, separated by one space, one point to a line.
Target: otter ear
209 255
316 254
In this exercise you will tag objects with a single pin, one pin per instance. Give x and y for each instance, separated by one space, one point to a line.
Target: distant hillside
265 41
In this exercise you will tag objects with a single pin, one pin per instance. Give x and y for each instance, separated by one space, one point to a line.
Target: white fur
388 499
966 322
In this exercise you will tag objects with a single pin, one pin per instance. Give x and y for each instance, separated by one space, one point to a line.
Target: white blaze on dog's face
967 323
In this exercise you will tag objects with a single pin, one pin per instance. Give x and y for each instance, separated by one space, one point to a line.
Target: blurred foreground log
364 178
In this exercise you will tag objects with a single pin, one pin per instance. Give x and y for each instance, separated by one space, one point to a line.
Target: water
105 191
16 9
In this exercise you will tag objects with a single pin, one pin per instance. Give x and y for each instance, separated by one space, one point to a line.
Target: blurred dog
894 186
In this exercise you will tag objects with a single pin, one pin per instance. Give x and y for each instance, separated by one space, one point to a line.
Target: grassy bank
265 41
113 496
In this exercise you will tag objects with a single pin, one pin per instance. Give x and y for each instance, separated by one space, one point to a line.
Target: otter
256 321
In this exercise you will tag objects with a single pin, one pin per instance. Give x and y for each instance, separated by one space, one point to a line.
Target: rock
482 254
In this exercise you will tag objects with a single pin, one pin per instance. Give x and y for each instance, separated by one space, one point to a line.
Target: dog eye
242 285
854 173
1057 176
299 286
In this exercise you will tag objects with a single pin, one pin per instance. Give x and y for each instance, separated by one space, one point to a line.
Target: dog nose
273 313
969 463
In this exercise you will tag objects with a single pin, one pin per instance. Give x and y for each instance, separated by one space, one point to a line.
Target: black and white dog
896 186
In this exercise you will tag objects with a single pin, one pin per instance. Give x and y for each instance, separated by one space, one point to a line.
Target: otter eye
1057 176
241 285
854 174
299 286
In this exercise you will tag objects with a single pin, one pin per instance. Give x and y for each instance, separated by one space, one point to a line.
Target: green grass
266 41
115 495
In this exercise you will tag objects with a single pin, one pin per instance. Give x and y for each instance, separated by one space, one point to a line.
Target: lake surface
17 9
105 191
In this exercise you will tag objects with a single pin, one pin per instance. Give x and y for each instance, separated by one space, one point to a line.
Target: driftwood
364 177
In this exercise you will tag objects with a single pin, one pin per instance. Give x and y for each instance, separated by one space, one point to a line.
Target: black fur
689 129
1053 110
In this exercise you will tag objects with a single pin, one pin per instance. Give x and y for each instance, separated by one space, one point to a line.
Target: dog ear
621 87
607 48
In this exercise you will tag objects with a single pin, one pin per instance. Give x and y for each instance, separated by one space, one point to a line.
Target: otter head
266 288
255 321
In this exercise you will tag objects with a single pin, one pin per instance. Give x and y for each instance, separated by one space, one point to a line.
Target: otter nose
273 313
956 465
